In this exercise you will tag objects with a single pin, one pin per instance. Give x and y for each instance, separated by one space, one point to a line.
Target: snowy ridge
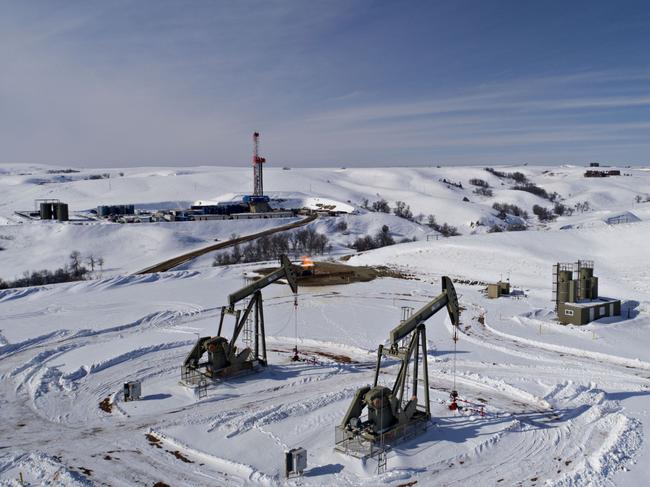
38 468
633 363
228 467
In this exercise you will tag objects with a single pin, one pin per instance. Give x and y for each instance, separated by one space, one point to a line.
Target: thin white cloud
136 98
512 95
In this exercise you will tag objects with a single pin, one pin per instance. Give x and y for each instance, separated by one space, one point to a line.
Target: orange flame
307 262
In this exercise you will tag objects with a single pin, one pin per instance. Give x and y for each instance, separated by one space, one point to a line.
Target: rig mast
258 185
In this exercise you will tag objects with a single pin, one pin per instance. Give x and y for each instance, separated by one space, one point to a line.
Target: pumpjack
391 417
224 359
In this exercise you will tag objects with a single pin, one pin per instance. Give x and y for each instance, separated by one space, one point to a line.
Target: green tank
565 287
563 291
61 212
46 212
583 289
586 273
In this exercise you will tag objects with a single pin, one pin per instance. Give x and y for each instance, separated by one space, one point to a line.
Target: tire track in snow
592 431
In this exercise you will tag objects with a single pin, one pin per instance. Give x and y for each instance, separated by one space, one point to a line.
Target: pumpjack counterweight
391 417
224 358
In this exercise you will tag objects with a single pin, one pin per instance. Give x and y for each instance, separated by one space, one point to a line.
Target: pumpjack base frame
192 377
364 444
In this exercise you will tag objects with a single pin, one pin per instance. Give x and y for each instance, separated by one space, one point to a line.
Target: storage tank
585 272
573 292
46 211
563 292
594 288
584 289
564 286
61 212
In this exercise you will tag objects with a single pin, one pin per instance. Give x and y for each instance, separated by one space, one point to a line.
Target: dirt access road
181 259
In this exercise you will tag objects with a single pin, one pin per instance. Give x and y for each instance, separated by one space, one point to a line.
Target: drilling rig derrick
258 202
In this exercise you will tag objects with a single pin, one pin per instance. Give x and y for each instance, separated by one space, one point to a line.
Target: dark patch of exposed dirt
106 405
338 358
342 359
153 440
385 271
331 274
157 442
180 456
336 273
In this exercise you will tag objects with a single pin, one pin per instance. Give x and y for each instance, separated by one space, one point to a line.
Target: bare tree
75 262
381 206
403 210
91 262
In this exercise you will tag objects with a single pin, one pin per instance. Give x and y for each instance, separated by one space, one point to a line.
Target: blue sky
329 83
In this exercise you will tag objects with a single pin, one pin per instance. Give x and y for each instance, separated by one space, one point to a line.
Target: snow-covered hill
124 249
565 405
423 189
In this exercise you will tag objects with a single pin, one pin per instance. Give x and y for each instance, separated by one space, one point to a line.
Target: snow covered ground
126 249
566 406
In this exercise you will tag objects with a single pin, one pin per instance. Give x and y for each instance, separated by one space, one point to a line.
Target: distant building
591 173
624 217
575 292
105 211
222 208
500 288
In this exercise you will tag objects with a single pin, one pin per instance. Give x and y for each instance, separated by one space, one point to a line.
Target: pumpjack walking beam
446 298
